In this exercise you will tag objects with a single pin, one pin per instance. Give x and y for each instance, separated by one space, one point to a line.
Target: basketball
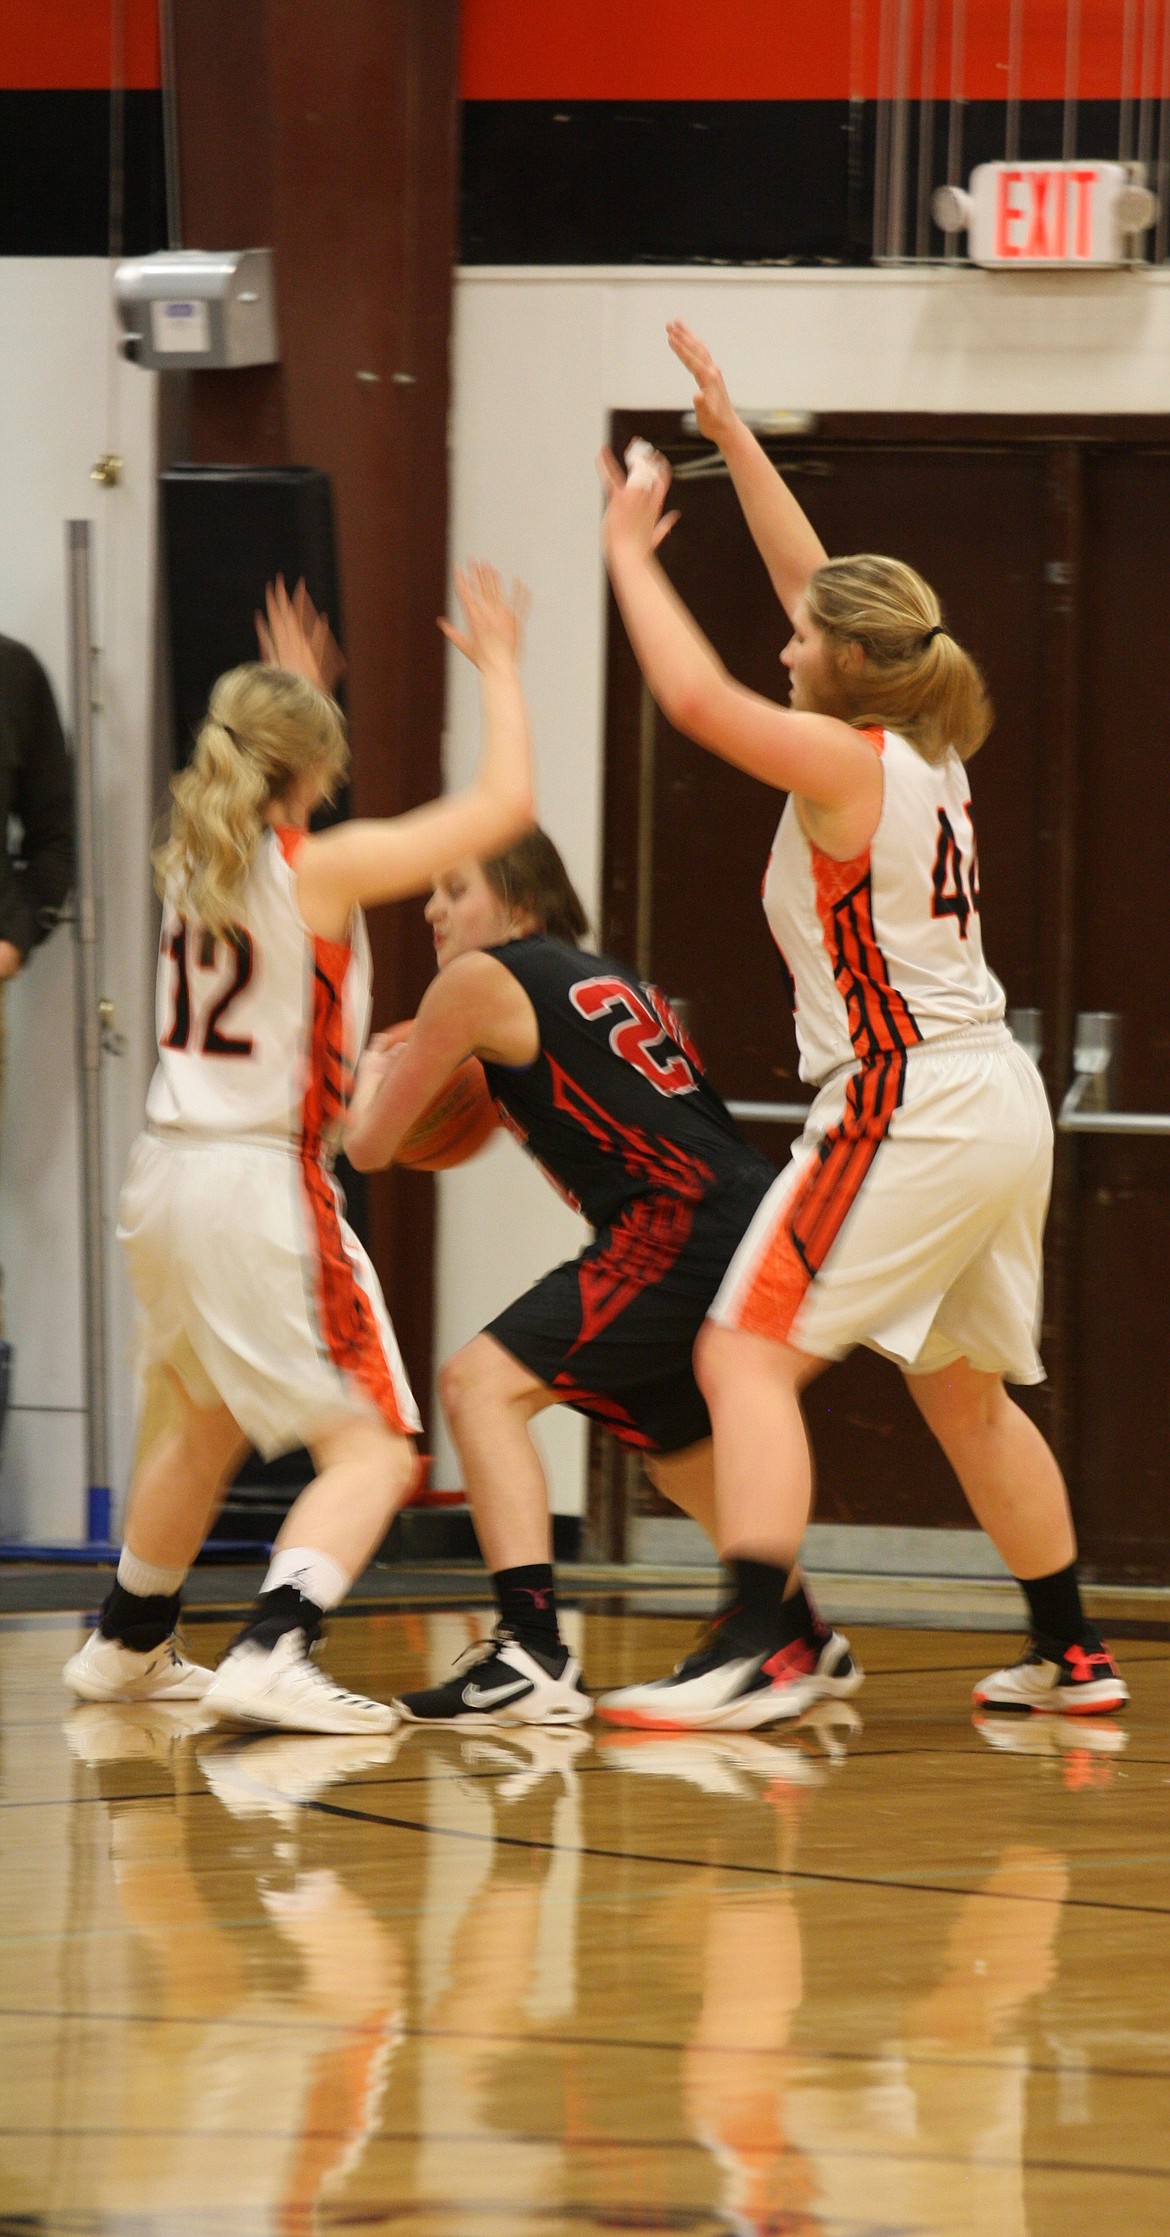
455 1126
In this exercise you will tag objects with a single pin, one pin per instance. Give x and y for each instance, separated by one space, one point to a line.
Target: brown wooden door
1119 1188
998 525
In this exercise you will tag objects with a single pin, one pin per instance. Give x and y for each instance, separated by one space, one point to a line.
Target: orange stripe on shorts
814 1215
346 1318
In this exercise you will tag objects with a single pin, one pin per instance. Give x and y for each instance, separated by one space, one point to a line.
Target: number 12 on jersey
954 896
212 1040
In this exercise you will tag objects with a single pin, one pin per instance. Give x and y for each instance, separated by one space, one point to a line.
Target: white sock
143 1578
316 1575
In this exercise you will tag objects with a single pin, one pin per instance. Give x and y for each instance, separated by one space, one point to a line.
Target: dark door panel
1122 1353
1121 1189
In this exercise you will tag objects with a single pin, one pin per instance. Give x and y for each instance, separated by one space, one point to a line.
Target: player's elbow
509 816
696 707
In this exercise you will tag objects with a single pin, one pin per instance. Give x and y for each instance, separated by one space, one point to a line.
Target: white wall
541 358
65 399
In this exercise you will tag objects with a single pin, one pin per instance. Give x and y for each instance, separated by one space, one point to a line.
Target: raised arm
473 1008
291 634
363 863
783 535
816 756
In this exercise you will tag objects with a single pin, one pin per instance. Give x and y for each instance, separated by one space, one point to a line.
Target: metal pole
856 188
881 173
1072 75
926 129
98 1502
170 108
1145 136
900 137
1162 178
1125 113
1011 143
955 110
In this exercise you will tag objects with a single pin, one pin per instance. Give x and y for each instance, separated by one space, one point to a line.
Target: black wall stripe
55 174
594 182
609 182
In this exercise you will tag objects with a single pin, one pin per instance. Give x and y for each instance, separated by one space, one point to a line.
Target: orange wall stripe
53 46
629 50
761 50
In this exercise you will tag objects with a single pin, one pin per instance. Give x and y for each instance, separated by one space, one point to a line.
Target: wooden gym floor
884 1974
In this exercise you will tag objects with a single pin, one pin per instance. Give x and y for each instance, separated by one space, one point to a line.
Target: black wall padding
227 531
715 182
55 172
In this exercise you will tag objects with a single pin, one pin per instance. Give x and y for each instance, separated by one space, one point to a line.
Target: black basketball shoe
498 1681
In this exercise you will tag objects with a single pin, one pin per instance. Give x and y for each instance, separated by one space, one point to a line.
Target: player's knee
960 1404
712 1357
466 1381
369 1443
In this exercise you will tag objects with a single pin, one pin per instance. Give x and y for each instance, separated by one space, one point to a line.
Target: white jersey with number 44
885 951
259 1033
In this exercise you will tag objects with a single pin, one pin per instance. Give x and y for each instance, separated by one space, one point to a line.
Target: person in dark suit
36 820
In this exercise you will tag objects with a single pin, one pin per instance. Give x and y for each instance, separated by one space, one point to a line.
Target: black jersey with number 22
616 1105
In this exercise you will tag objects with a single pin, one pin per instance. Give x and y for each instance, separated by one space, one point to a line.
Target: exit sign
1050 214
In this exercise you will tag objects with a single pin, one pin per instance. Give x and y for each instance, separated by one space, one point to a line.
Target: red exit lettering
1044 216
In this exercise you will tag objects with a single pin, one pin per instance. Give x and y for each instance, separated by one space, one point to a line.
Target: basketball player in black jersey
594 1074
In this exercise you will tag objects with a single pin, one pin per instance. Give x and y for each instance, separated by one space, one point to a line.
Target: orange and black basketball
455 1126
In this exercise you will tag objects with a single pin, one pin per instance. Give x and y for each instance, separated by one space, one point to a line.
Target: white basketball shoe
279 1686
1083 1681
724 1686
104 1670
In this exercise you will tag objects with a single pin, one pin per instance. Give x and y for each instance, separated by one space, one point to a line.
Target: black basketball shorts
612 1332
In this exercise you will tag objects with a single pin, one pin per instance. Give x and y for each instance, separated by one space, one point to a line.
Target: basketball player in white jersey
257 1299
911 1215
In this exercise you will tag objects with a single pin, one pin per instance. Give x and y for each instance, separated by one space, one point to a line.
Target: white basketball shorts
256 1292
911 1215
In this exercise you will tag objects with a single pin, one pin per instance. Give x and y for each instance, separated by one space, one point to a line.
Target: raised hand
494 618
634 501
714 409
291 634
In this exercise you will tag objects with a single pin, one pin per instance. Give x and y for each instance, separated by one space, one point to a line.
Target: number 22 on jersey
647 1021
209 1036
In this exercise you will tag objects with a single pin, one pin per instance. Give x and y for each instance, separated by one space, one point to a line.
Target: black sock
137 1620
800 1616
1058 1619
757 1608
283 1610
527 1601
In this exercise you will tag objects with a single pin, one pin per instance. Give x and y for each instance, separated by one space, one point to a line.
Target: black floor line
709 1864
799 2054
860 1754
592 2142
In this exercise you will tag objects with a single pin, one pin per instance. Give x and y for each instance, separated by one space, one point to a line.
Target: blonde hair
915 678
263 729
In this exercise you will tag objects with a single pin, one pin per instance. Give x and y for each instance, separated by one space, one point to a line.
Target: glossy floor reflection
889 1973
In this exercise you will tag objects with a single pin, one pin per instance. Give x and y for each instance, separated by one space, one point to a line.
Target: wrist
622 543
734 434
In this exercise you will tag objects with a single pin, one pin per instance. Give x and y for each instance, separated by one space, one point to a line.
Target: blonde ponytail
264 729
915 677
